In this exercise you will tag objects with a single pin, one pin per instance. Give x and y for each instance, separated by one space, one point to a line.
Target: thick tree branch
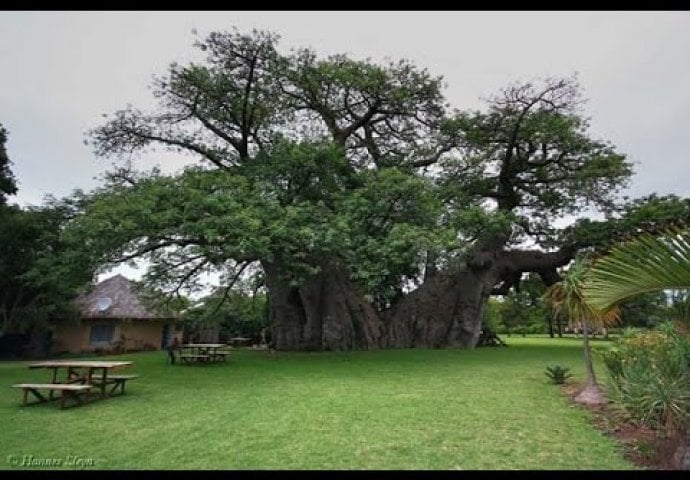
204 152
228 287
244 143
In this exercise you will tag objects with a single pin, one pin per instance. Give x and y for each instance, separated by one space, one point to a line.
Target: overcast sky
62 70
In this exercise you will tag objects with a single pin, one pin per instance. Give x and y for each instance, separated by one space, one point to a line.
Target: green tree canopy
346 183
8 185
39 270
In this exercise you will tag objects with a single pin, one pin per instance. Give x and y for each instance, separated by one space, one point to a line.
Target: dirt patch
641 445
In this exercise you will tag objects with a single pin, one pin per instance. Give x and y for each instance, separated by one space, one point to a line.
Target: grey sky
62 70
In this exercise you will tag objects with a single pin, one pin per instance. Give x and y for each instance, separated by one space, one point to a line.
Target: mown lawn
398 409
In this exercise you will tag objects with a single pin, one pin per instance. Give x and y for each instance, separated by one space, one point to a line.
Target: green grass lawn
397 409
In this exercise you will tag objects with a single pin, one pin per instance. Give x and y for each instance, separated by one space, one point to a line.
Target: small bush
650 377
557 374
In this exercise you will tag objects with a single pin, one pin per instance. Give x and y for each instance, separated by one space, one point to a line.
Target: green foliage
239 315
165 305
39 272
645 264
8 185
679 310
567 297
653 213
523 310
557 374
185 224
317 160
649 214
546 164
297 205
514 316
650 377
645 310
388 224
492 315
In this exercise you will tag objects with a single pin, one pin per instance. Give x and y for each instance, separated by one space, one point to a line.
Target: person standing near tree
171 348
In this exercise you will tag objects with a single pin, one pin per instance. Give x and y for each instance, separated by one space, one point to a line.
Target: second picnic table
203 352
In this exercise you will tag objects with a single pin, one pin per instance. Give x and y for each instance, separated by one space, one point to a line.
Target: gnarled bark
326 312
446 311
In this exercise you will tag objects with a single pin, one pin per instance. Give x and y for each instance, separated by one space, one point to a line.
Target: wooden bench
186 357
66 391
222 354
117 381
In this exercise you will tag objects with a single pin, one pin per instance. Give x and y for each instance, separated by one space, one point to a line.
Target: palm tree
566 298
645 264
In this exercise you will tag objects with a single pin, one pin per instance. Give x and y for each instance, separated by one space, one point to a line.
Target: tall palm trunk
592 393
591 377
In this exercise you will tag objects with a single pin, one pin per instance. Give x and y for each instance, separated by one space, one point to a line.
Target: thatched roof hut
115 317
115 297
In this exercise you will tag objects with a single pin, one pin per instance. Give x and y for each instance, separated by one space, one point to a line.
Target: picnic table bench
66 390
221 355
203 352
117 381
239 341
78 382
199 357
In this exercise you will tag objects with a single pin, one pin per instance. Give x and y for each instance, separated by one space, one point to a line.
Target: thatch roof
124 301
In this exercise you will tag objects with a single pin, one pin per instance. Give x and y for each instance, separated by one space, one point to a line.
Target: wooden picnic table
79 377
202 352
240 340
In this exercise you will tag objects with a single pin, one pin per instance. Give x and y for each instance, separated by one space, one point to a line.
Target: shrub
558 374
650 377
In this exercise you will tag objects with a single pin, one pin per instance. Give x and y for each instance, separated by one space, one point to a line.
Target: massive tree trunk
326 312
446 311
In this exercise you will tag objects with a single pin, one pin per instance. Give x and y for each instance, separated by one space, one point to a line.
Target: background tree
528 295
241 314
492 316
645 311
8 185
679 310
30 239
514 317
39 272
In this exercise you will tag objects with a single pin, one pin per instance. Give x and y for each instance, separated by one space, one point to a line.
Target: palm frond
647 263
567 297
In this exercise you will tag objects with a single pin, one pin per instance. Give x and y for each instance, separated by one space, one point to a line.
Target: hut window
102 333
